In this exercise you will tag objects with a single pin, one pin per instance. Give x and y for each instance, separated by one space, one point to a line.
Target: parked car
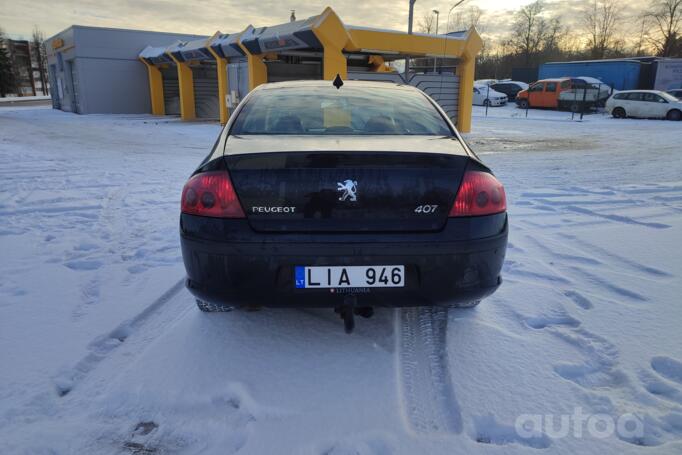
644 104
605 90
315 196
677 93
509 88
559 93
485 95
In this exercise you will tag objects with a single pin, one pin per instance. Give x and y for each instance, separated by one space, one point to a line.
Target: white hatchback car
644 104
485 95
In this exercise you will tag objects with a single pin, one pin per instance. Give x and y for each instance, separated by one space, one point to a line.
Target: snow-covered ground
103 351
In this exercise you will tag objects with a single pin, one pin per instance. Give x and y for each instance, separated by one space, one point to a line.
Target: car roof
554 79
325 83
641 91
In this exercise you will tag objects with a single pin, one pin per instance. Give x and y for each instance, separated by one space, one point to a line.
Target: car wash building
96 70
102 70
319 47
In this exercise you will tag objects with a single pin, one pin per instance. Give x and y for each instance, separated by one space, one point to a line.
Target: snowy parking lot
102 350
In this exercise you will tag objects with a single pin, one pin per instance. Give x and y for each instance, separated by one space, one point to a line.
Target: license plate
372 276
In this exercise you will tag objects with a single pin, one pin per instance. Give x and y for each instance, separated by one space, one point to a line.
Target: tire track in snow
429 401
102 346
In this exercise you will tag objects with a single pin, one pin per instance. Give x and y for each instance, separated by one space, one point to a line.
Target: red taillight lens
211 194
479 194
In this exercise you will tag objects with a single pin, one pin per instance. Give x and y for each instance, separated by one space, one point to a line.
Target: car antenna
338 82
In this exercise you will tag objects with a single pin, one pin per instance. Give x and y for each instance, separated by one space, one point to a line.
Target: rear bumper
239 267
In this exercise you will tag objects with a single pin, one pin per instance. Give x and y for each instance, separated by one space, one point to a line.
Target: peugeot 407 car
350 198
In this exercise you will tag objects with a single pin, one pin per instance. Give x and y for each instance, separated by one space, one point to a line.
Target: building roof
126 30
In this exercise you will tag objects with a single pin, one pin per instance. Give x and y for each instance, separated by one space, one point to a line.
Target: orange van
543 93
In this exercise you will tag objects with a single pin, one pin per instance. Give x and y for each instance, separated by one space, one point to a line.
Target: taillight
211 194
479 194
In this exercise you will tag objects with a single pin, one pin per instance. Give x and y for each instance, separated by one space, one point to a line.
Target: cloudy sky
205 17
18 17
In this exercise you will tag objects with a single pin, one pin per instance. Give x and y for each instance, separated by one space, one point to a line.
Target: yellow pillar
465 71
333 36
155 89
333 63
186 86
258 72
223 82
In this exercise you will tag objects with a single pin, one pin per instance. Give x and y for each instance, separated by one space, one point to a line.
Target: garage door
444 89
282 71
205 79
171 91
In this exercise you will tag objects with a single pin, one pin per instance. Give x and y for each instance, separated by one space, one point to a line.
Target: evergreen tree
7 78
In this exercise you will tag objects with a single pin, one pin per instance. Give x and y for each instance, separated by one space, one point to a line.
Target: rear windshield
349 110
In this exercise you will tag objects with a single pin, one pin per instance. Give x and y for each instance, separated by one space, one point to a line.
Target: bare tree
601 21
465 19
40 56
427 23
529 31
639 45
666 16
555 33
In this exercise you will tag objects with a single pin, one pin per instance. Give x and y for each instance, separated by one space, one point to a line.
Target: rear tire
523 104
207 307
674 115
619 112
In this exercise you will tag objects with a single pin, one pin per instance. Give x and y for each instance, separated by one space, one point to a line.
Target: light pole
447 24
410 17
409 31
447 27
437 16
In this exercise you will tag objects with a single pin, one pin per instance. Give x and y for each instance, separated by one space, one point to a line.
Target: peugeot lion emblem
349 188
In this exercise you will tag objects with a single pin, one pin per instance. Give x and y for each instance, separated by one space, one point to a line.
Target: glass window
670 98
537 87
652 98
634 96
565 85
551 87
620 96
352 110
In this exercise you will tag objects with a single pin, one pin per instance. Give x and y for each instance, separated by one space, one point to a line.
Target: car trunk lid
340 185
